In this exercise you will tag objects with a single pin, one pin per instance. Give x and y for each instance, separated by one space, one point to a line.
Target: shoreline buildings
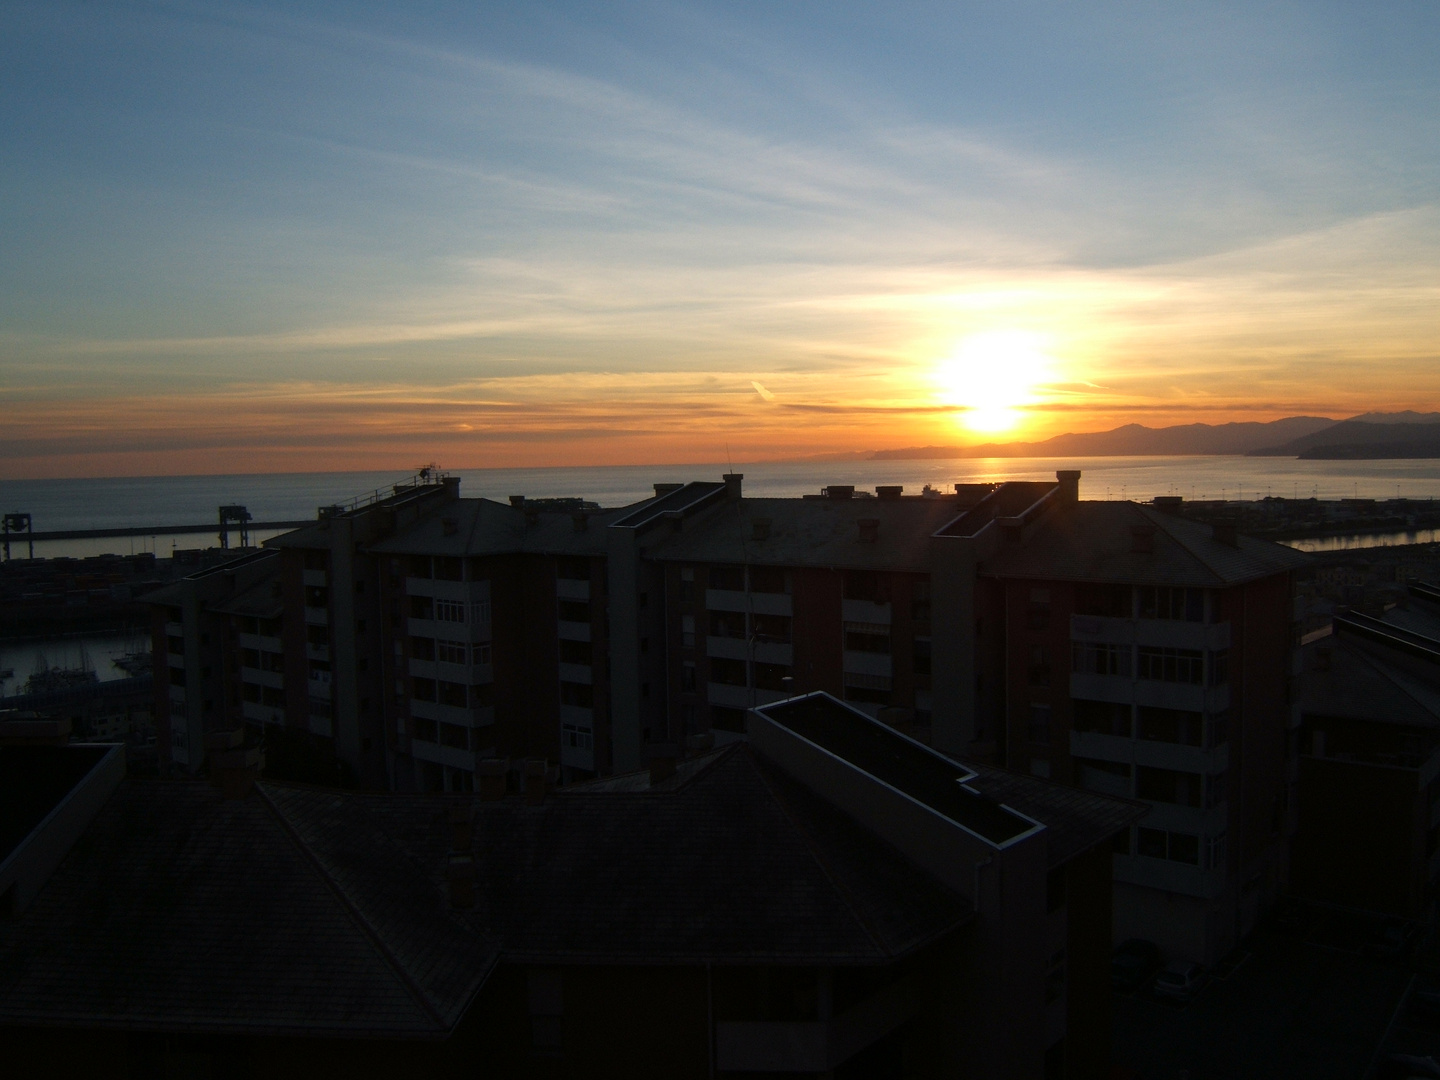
421 641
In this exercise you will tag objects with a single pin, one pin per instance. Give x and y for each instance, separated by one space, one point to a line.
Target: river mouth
1317 545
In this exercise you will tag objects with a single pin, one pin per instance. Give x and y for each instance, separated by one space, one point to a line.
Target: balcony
740 697
578 715
443 755
314 578
577 673
319 688
317 652
573 631
1168 876
1160 632
864 611
262 714
448 590
174 629
758 603
259 677
578 757
460 715
449 631
570 589
1126 689
261 643
868 663
317 616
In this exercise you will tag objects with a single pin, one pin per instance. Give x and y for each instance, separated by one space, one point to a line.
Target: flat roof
899 762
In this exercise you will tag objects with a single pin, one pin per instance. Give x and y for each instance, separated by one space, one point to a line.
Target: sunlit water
139 501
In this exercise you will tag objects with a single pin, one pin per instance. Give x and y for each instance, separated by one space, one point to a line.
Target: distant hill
1374 435
1136 439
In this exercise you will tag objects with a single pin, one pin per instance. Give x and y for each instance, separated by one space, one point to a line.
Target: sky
304 236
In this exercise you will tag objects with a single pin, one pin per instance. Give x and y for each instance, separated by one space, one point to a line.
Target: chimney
491 774
1170 504
733 481
661 490
662 761
869 530
462 819
1142 539
1224 532
517 501
452 486
233 768
535 780
581 520
449 526
760 529
839 491
890 491
461 872
1069 480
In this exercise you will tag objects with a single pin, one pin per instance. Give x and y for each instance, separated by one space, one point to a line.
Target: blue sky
519 234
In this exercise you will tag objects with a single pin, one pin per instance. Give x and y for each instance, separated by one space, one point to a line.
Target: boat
45 678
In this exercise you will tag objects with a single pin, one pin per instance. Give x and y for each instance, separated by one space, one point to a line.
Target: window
480 612
687 584
772 629
455 736
422 607
727 624
1168 786
1038 673
448 568
422 689
921 654
572 569
580 695
1220 667
729 672
481 652
687 631
425 730
1215 853
1038 728
575 652
1103 777
1171 665
319 671
574 611
769 579
1100 658
452 652
1055 970
1169 602
863 585
317 635
687 677
727 578
724 719
1105 601
422 648
1037 616
449 611
920 600
579 738
771 676
1101 718
863 641
1170 725
316 596
420 566
453 694
1214 790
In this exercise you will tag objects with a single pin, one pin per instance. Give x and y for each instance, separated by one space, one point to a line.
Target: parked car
1179 980
1133 964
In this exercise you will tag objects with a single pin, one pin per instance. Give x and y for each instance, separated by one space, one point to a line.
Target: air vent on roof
1142 539
449 526
760 529
1171 504
890 491
517 500
869 530
839 491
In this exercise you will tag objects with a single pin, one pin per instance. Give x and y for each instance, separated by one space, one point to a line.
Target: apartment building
1369 761
1139 654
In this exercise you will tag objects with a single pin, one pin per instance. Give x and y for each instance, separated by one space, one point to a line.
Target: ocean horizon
136 502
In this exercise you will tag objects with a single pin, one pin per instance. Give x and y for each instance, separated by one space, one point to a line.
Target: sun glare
991 377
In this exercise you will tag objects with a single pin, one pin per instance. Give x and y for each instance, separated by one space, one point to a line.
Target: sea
182 500
176 500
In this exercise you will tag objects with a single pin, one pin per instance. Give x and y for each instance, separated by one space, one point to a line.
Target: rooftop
1095 542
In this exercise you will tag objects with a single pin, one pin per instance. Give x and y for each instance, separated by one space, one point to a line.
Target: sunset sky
279 237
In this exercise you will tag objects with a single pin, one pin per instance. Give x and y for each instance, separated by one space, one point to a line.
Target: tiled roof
815 532
486 527
1350 677
1094 541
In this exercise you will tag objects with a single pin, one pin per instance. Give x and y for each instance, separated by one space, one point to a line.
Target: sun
992 376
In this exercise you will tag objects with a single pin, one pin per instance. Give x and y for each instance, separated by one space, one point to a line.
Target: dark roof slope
179 911
486 527
34 780
1094 541
814 532
1349 677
